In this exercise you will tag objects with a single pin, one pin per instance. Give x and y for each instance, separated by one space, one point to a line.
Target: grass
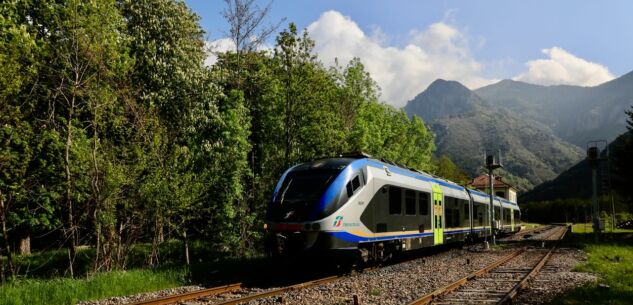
588 228
42 276
611 259
374 292
529 225
102 285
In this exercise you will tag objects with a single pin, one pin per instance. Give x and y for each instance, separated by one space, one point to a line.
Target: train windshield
299 193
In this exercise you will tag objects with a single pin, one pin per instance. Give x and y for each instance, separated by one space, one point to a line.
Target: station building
502 188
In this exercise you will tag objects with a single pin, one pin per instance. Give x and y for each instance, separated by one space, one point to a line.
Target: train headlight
316 226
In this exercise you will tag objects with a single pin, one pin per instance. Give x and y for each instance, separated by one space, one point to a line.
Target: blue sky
478 42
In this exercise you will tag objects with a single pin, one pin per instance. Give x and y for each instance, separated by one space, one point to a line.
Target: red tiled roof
482 182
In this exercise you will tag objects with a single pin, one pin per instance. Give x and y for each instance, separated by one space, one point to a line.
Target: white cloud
565 68
214 47
441 51
217 46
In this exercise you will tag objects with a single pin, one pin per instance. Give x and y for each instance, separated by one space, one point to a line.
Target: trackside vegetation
611 260
123 146
101 285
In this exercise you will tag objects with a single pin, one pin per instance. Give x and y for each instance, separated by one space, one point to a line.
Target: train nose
280 243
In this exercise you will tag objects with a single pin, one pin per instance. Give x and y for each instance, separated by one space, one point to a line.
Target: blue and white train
370 209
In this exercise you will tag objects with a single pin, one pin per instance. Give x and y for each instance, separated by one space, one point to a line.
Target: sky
406 45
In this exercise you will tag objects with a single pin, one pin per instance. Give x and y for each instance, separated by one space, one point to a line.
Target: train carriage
357 206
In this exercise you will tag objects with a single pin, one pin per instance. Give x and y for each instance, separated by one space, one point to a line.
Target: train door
438 215
511 211
472 213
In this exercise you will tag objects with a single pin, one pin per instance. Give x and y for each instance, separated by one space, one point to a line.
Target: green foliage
114 133
612 261
446 169
572 210
70 291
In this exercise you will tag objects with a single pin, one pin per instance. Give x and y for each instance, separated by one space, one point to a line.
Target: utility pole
492 165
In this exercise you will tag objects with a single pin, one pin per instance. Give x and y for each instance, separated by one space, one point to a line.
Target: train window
356 183
497 213
350 191
466 216
395 200
409 202
449 217
423 203
451 208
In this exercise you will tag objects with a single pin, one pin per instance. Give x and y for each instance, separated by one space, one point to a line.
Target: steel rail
507 299
278 291
170 299
454 285
427 299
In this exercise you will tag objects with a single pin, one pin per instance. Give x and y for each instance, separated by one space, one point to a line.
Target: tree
293 57
91 58
446 169
244 19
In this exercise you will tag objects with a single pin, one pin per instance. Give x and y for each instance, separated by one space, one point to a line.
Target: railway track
499 282
233 288
525 234
456 293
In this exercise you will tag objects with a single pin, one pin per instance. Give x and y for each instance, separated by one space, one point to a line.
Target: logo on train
338 221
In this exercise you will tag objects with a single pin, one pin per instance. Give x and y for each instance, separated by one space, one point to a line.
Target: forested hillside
114 132
466 125
574 113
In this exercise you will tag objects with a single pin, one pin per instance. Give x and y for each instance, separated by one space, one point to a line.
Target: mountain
443 98
575 114
465 125
576 181
531 153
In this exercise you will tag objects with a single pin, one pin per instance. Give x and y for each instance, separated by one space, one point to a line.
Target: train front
299 215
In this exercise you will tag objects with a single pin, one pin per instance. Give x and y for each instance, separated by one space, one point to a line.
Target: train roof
340 162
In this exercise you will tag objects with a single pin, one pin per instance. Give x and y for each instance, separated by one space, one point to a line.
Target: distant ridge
575 114
465 125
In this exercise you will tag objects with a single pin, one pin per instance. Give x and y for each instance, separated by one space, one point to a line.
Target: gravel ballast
395 284
556 277
404 282
142 296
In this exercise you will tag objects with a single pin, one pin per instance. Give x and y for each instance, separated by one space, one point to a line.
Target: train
370 210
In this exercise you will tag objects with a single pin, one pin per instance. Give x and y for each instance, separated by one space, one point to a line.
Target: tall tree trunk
153 259
5 237
288 114
97 243
100 249
70 232
186 243
2 280
25 244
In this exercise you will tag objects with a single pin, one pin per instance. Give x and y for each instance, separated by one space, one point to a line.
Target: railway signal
593 156
491 165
